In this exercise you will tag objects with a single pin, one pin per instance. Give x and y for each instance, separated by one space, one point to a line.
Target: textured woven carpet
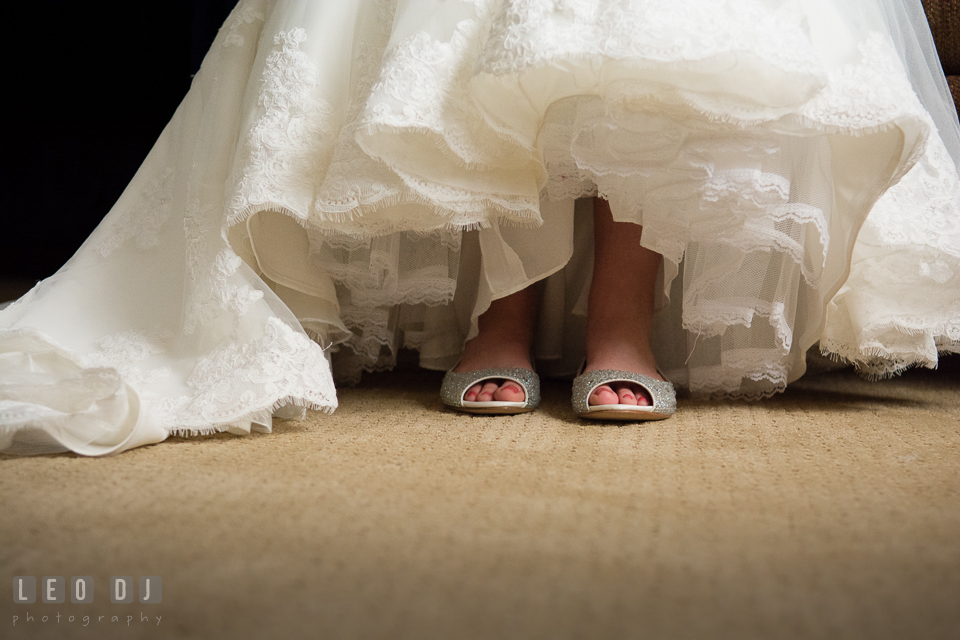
832 511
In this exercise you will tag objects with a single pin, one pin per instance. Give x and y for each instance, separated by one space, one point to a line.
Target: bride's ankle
493 354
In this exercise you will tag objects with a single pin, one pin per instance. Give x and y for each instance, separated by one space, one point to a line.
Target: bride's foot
621 358
620 311
481 353
504 340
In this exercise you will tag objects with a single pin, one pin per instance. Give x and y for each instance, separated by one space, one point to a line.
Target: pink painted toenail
512 388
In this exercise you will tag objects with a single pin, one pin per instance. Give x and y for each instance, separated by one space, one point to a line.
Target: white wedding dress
348 178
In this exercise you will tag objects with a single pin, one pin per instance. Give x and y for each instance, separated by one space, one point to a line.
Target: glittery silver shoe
663 394
455 385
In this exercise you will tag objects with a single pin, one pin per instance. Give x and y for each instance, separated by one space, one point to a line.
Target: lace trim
866 95
412 89
281 368
525 35
449 239
289 145
753 374
891 345
125 350
900 258
931 192
438 71
711 318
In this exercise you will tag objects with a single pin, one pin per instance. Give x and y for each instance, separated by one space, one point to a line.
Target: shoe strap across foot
455 385
662 393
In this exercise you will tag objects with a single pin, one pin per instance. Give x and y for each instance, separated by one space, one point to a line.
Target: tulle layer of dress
347 179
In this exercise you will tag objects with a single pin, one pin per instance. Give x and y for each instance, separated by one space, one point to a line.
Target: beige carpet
832 511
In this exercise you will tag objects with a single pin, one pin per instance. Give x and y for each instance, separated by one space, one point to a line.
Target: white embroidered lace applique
288 148
141 222
898 262
232 383
212 292
125 350
245 13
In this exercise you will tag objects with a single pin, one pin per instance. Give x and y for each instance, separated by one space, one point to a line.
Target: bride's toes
509 391
487 391
626 396
620 394
643 398
603 395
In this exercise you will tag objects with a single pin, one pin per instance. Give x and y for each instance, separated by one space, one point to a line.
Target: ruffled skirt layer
374 177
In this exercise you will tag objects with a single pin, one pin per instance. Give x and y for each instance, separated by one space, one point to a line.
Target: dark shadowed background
90 89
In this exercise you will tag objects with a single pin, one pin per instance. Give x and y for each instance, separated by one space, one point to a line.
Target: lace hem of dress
899 260
109 400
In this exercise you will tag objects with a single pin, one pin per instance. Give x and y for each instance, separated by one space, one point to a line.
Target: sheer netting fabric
348 179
